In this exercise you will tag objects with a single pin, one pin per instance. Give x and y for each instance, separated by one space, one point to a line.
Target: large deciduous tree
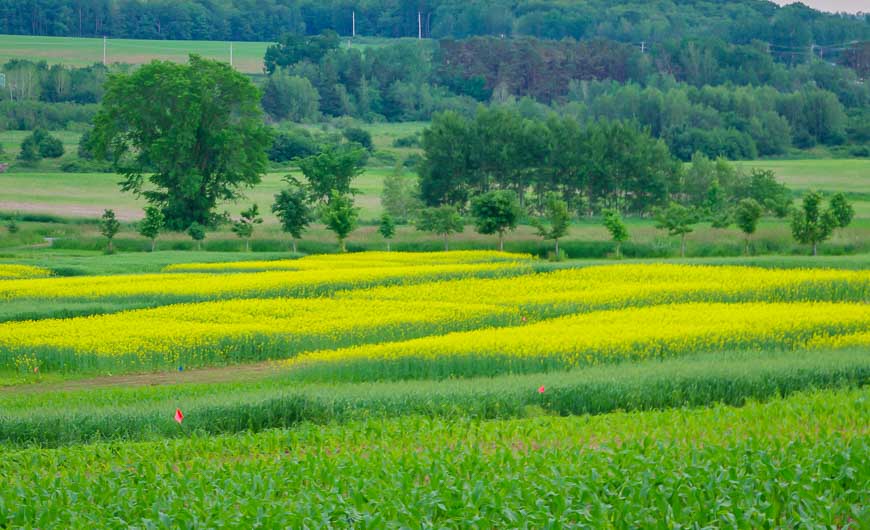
185 136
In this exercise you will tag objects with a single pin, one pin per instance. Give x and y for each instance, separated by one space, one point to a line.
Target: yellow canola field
10 271
272 283
357 260
214 331
623 285
640 332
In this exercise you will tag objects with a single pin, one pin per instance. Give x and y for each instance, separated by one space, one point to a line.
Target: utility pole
353 23
643 46
104 50
231 53
419 26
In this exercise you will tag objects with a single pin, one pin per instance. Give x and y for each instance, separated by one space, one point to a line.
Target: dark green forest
737 80
792 29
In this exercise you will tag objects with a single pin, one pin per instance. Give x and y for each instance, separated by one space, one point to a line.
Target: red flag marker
179 417
541 389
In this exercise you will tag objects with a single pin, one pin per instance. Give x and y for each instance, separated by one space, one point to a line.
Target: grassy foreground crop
52 418
795 462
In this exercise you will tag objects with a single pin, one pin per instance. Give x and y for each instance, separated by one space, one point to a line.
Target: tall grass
69 417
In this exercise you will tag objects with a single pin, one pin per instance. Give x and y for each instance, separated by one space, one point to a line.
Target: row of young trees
495 212
793 27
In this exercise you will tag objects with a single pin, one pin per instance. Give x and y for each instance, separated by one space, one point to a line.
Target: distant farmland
74 51
247 56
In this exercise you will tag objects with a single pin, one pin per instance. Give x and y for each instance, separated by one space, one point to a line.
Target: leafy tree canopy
185 136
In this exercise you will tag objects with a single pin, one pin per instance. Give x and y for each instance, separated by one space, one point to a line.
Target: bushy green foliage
555 221
678 220
812 224
496 212
291 98
387 228
151 226
340 216
618 231
293 144
331 172
292 209
196 232
244 226
442 221
209 148
109 227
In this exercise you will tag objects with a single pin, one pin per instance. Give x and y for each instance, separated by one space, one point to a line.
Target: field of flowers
471 389
14 272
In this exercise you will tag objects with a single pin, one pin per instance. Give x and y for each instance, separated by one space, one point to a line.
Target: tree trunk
111 247
247 245
388 245
618 250
682 245
153 245
341 245
746 246
294 245
501 241
815 248
446 246
199 245
557 248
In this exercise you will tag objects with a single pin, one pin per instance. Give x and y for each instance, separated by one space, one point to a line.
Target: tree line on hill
701 95
792 29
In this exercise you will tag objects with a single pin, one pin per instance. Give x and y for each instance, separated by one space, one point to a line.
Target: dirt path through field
68 210
223 374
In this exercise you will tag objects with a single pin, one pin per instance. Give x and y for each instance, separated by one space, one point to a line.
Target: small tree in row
442 221
555 222
387 228
109 227
292 209
678 220
618 231
244 227
496 212
340 216
746 215
151 225
196 232
810 224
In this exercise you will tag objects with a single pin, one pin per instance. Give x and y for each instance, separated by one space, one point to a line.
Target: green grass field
247 56
72 51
